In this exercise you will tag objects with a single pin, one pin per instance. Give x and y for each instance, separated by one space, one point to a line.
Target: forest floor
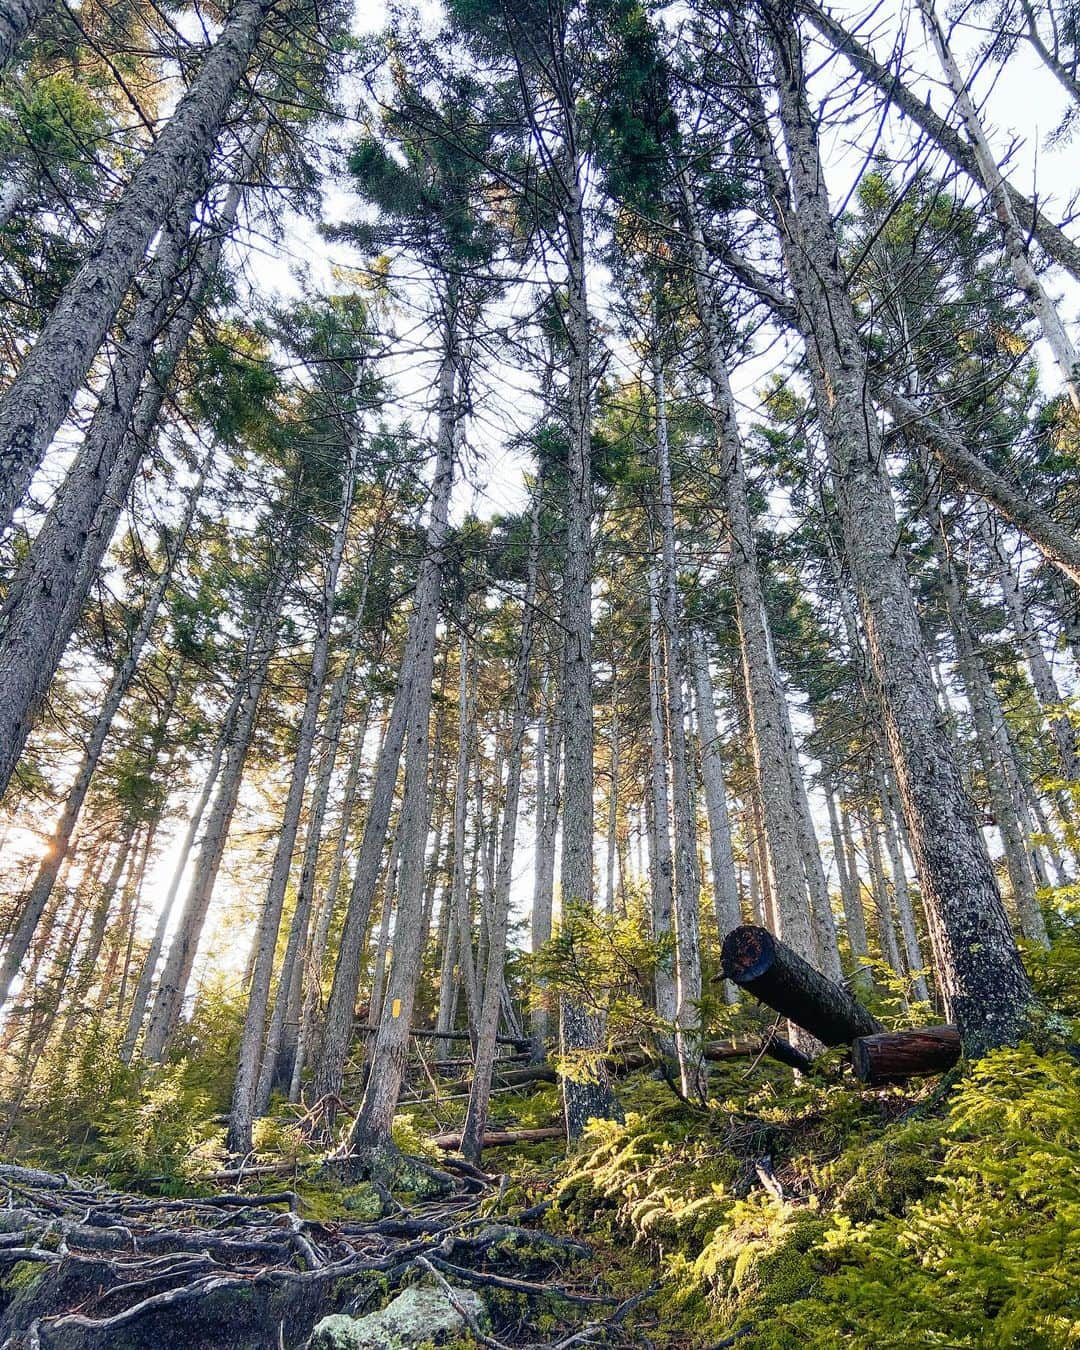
786 1212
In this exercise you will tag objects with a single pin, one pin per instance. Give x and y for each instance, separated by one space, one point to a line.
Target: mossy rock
419 1316
388 1169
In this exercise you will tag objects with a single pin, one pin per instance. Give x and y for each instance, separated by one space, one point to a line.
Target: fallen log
895 1056
518 1042
785 1053
715 1052
777 976
500 1138
532 1073
628 1059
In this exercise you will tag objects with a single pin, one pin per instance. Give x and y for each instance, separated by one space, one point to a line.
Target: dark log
765 967
508 1078
785 1053
626 1060
518 1042
500 1138
894 1056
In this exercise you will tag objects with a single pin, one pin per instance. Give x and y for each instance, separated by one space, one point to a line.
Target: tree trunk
548 803
390 1051
457 953
49 592
1042 677
153 955
472 1141
687 880
18 182
765 701
1014 235
581 1028
612 801
41 395
313 991
916 107
181 958
245 1088
890 948
890 816
984 982
279 1054
60 842
821 915
86 963
1057 545
850 898
725 883
382 944
895 1056
17 18
661 860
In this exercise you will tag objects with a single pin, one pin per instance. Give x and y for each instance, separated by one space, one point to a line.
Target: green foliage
153 1125
955 1231
989 1257
608 964
159 1133
145 1125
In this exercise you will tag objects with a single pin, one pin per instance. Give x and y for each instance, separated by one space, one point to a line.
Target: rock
418 1316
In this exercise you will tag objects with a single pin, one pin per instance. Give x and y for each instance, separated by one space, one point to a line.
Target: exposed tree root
84 1267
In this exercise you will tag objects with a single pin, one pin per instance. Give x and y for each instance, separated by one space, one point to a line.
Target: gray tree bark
765 700
581 1028
457 956
157 942
176 972
983 980
721 855
313 992
1013 233
390 1050
245 1088
1042 677
548 803
687 879
661 857
40 396
60 842
850 898
1053 240
279 1053
48 594
17 18
472 1137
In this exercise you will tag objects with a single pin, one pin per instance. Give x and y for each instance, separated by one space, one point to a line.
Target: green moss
881 1176
957 1230
989 1256
23 1276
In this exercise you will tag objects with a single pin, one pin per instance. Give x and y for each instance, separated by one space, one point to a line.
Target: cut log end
747 953
895 1056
